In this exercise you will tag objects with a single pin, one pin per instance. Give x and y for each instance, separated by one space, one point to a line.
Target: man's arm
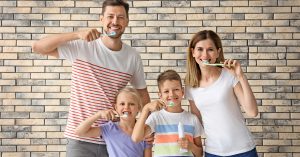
49 45
145 95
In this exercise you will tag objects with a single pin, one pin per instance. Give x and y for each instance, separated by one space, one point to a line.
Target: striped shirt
97 75
165 126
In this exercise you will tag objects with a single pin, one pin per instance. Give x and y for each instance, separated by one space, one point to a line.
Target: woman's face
205 50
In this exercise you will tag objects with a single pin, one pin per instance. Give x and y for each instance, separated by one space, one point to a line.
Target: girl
215 93
117 135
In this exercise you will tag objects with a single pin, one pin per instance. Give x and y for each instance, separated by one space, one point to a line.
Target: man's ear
101 18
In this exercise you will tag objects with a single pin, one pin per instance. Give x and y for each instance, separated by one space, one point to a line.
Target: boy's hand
184 143
108 114
155 105
89 35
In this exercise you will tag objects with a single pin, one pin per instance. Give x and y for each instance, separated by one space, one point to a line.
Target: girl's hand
155 105
108 114
234 67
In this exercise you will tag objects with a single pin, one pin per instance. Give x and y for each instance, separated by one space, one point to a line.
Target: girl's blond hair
132 92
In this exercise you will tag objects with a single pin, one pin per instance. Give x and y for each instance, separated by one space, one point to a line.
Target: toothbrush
206 62
125 115
109 34
171 103
181 135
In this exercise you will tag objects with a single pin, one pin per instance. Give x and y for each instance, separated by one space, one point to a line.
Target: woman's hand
234 67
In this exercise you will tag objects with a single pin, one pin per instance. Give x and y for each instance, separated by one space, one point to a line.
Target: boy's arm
85 128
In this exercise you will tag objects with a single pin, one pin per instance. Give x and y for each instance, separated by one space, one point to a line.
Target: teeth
171 103
205 61
125 115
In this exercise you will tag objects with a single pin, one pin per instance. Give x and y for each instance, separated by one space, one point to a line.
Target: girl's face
205 50
126 102
171 90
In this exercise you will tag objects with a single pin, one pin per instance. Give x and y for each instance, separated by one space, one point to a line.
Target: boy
165 121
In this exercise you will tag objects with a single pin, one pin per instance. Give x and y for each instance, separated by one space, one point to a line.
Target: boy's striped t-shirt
165 126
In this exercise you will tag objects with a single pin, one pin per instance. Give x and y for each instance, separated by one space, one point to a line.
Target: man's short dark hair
115 3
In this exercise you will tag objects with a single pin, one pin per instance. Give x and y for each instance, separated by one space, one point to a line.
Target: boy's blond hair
168 75
132 92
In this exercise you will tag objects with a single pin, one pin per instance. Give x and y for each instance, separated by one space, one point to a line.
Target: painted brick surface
35 90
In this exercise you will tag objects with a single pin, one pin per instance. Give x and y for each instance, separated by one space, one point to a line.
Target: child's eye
122 104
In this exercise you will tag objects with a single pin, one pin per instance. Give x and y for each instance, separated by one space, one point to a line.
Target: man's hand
89 35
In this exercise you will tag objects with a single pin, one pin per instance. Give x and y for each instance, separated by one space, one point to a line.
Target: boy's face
114 19
171 90
126 102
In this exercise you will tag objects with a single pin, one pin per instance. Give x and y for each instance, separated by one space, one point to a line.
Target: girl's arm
140 129
148 152
85 129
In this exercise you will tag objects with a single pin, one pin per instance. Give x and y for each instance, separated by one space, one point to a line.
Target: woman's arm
195 110
245 96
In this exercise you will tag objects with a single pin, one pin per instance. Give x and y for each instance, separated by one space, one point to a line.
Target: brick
46 102
174 43
143 17
47 10
259 16
30 95
8 3
160 49
44 115
46 128
16 88
275 115
263 3
230 16
15 142
216 23
222 10
146 3
188 10
171 17
6 122
16 154
36 148
7 148
29 121
233 3
160 23
7 69
160 10
260 29
204 3
287 29
251 23
29 108
56 108
18 10
55 134
145 30
277 76
57 95
85 17
137 11
60 4
176 4
161 36
56 148
277 9
88 4
146 43
201 16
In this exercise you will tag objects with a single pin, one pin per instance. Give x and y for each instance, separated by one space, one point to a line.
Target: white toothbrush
109 34
206 62
125 115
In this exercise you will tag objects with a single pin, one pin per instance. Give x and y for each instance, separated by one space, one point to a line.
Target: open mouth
204 61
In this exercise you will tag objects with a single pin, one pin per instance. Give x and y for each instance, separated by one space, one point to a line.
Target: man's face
114 19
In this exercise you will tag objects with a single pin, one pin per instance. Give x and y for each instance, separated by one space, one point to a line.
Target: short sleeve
188 94
151 121
138 78
70 50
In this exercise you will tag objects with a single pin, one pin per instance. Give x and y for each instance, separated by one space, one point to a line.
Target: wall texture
263 34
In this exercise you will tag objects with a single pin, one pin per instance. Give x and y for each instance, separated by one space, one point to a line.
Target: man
101 65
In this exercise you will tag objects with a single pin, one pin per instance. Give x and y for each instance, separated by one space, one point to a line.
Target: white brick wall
263 34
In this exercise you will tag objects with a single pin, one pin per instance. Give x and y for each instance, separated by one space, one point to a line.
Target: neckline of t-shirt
109 50
216 82
173 113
